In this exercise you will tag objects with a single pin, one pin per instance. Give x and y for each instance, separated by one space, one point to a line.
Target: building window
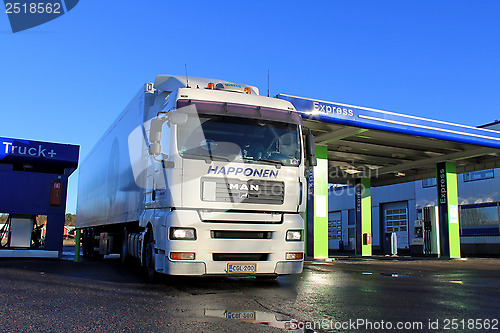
479 175
430 182
481 219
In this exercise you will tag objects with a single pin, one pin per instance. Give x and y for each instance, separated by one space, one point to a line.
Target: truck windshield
239 139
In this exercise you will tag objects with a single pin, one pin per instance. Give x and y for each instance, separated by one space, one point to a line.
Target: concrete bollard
394 244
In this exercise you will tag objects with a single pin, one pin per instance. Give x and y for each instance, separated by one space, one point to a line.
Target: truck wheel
149 258
124 246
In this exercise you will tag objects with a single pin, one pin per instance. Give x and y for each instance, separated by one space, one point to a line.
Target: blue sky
67 80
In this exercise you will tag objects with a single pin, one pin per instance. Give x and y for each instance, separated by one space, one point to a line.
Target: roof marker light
211 86
247 90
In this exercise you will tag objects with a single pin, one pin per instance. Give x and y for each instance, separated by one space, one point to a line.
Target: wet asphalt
345 295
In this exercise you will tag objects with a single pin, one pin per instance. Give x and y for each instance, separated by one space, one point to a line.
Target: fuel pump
417 243
431 231
20 231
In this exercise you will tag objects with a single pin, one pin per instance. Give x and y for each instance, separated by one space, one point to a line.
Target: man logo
26 14
244 187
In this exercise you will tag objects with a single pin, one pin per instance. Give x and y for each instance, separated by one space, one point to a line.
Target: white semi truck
199 177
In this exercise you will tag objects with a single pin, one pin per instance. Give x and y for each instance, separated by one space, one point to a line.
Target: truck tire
124 246
149 258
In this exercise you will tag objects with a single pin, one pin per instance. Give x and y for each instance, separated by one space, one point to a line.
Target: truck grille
240 256
254 191
241 234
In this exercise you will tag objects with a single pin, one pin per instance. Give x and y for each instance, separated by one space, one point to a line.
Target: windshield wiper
208 158
278 164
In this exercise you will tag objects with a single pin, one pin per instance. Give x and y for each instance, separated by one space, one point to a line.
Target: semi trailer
199 177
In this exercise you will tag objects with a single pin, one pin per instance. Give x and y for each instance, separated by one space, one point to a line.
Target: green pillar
448 209
77 245
363 213
320 238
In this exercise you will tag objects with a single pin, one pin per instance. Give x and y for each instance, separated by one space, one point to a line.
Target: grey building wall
472 192
416 195
342 199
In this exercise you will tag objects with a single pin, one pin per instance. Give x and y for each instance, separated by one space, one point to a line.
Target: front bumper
206 248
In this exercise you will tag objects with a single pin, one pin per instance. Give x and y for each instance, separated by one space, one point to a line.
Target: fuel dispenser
417 243
20 231
431 230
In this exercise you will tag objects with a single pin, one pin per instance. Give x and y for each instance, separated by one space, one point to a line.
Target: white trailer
199 177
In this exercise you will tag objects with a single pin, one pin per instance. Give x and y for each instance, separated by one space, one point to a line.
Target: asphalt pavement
344 295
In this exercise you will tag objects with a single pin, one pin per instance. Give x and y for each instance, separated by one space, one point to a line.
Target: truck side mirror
155 136
310 145
155 149
155 129
311 150
178 118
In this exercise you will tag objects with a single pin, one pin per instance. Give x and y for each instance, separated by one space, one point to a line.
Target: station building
398 208
399 179
34 179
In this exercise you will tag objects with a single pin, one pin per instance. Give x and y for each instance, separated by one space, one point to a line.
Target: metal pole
77 246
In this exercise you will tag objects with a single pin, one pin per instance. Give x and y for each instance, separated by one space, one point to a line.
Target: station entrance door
395 220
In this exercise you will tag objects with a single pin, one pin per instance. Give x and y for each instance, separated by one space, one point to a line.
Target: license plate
241 268
241 315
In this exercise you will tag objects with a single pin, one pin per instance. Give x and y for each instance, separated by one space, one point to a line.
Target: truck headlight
183 233
294 235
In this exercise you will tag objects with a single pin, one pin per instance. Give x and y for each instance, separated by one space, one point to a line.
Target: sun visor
243 111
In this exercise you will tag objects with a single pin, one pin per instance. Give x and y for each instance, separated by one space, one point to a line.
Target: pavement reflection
257 317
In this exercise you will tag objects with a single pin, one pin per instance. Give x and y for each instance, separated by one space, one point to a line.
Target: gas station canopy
392 148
